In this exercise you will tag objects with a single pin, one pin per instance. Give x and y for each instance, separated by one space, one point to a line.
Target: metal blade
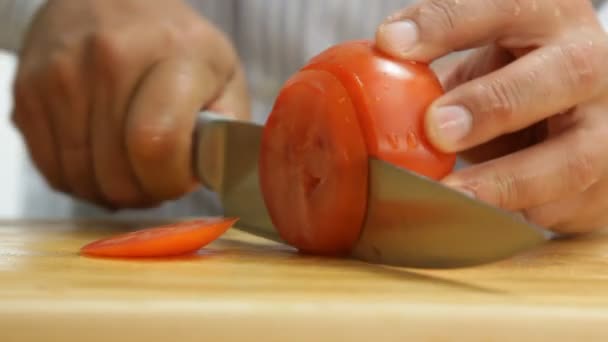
226 161
413 221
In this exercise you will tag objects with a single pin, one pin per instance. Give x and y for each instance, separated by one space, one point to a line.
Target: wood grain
246 288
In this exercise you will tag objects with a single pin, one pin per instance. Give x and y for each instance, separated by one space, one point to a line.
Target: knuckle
108 50
580 65
508 189
177 38
104 43
441 12
60 73
498 99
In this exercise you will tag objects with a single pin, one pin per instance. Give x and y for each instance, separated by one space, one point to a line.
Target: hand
529 105
107 92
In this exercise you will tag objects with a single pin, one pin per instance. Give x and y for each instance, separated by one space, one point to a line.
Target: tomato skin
391 98
163 241
314 165
349 103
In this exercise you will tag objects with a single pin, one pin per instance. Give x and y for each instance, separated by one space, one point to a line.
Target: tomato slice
163 241
313 168
348 103
391 98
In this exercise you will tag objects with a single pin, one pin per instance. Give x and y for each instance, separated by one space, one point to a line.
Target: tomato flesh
313 169
163 241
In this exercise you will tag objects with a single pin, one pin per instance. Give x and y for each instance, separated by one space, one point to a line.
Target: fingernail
400 36
448 125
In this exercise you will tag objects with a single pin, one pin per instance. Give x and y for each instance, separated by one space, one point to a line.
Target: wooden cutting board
245 288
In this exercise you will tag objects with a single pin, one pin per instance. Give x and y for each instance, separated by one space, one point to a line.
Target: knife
411 221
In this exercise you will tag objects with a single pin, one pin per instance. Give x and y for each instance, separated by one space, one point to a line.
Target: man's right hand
107 93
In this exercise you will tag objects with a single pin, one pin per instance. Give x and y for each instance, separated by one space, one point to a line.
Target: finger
114 175
433 28
234 101
478 63
558 168
69 114
122 61
507 100
506 144
558 215
119 63
161 121
29 117
161 116
582 213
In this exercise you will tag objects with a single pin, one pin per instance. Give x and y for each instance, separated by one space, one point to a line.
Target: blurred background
14 160
11 146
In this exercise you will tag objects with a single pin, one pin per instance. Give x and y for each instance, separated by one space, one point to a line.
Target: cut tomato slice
164 241
313 165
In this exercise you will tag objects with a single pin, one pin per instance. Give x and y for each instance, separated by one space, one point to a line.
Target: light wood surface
245 288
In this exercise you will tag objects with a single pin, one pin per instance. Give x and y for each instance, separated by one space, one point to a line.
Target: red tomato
168 240
349 103
391 98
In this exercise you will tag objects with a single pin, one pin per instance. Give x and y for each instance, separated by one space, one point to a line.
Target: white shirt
273 37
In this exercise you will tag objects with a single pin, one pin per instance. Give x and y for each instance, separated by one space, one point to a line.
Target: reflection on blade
415 222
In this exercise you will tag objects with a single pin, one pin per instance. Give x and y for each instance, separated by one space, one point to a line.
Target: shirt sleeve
15 18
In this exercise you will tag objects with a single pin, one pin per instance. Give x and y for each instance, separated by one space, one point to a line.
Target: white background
11 146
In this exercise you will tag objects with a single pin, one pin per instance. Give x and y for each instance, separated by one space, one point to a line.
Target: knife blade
414 221
226 161
411 221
